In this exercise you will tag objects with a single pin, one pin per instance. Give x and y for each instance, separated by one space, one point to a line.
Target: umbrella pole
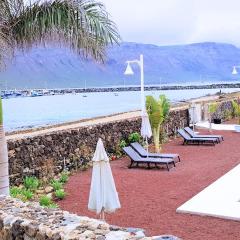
146 145
102 215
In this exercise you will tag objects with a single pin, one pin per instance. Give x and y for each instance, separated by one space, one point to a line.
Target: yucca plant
83 26
158 110
236 109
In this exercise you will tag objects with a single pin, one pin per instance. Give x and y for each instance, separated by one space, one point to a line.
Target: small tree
236 109
212 108
158 110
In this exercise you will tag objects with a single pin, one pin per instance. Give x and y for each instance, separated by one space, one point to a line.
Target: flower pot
217 120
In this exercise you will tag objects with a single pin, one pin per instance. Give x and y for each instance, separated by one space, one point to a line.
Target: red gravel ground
149 198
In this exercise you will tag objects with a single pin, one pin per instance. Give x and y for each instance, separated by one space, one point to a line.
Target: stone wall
45 155
29 221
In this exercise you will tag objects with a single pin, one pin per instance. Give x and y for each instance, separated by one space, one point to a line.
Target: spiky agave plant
82 25
158 110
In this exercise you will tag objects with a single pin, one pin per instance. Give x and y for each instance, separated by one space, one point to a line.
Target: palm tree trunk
4 174
156 138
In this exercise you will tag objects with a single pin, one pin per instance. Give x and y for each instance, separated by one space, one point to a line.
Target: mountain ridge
55 67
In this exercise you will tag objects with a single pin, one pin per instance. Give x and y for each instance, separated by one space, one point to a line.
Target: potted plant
217 120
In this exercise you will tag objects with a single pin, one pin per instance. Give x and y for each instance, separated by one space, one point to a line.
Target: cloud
177 22
167 22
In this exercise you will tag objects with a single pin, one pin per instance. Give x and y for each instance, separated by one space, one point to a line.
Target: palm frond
165 104
6 47
155 111
82 25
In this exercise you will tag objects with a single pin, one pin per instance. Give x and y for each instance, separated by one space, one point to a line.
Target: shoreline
107 118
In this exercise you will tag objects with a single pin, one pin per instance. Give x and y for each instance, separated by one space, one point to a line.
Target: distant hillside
57 67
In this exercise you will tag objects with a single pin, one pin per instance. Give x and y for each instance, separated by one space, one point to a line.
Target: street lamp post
193 108
234 71
129 71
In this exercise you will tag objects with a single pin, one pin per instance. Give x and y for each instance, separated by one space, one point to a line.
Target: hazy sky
166 22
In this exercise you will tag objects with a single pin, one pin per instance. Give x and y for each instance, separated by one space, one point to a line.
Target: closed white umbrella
103 196
146 130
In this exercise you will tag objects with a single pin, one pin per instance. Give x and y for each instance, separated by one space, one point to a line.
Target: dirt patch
149 198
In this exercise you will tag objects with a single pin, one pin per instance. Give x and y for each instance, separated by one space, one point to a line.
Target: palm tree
158 110
4 179
82 25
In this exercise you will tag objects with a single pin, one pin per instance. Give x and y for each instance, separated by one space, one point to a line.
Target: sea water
28 112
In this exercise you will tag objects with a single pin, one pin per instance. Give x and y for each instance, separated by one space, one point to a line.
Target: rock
100 238
40 192
49 138
118 235
50 195
29 221
31 230
88 234
48 189
26 237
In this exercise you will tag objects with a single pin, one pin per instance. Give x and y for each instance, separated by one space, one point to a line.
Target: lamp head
234 72
128 70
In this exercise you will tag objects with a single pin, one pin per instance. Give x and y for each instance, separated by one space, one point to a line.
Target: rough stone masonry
29 221
45 155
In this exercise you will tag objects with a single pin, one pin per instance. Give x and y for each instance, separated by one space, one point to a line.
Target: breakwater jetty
59 91
151 88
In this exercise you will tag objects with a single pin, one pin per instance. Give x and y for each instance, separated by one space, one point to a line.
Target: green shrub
122 144
45 201
56 185
236 109
64 177
15 191
60 194
134 137
227 114
22 194
53 205
213 107
27 194
31 183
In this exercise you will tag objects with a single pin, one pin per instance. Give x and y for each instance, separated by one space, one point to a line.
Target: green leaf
158 110
82 25
212 108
